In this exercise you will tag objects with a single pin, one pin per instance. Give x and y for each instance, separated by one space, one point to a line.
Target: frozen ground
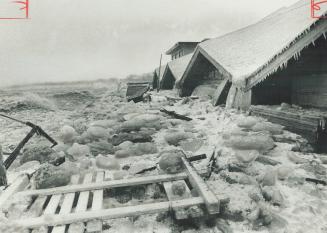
262 197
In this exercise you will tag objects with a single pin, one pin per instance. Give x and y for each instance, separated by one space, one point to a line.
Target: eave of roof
180 43
252 51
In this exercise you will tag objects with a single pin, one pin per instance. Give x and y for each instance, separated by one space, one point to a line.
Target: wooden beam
66 206
219 91
104 185
180 213
18 185
121 212
210 199
81 206
52 205
97 203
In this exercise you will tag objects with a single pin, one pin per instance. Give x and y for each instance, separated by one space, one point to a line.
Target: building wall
182 51
168 81
309 85
303 82
310 91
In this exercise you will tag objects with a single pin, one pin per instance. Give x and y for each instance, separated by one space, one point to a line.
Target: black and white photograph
163 116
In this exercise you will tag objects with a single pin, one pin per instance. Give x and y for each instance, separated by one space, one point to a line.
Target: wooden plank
104 185
40 230
50 209
52 205
217 98
67 205
209 198
35 211
18 185
81 206
96 225
121 212
108 176
37 207
297 123
179 213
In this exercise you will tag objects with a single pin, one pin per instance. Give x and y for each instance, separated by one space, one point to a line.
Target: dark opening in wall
202 72
303 82
168 81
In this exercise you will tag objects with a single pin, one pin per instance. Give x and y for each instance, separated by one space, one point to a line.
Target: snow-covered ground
261 197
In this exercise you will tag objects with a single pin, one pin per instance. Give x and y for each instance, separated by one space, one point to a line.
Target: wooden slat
209 198
121 212
50 209
52 205
40 230
108 176
37 207
81 206
104 185
67 205
35 211
96 225
19 184
179 213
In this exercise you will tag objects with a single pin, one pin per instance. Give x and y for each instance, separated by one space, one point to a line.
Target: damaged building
174 71
157 76
279 63
169 74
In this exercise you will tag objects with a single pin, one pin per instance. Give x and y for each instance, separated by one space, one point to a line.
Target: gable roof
162 71
178 66
252 52
181 43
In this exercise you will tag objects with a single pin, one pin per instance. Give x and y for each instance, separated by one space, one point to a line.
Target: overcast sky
67 40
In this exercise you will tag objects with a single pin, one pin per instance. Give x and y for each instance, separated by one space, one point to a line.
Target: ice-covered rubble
259 175
170 161
49 176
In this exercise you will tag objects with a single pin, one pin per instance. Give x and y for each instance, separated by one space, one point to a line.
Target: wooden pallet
79 207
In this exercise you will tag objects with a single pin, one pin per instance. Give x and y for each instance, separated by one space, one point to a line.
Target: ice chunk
67 134
107 162
175 137
267 126
246 156
95 133
78 150
49 176
260 142
104 123
247 122
38 152
171 162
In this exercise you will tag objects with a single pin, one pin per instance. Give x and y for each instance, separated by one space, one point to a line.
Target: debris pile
263 180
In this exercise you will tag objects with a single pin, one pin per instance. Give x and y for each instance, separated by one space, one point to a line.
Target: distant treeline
146 77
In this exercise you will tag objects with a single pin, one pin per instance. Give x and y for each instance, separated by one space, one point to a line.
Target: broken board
79 207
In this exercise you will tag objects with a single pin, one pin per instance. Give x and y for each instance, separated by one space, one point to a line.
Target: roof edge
219 67
292 50
171 50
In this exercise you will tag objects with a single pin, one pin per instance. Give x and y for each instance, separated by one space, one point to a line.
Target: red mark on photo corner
315 7
24 6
